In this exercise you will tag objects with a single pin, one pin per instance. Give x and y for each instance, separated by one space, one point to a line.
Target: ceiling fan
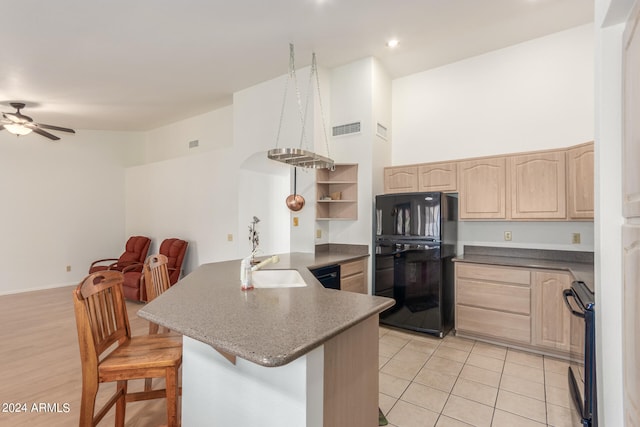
19 124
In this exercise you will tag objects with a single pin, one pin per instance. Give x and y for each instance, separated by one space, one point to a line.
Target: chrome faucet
271 260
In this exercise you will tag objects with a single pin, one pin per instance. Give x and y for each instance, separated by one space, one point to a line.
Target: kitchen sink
277 279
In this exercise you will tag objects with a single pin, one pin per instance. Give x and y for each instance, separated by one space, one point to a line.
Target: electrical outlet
575 238
507 236
319 233
68 268
295 221
229 237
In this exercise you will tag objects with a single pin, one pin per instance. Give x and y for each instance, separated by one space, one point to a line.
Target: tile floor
427 381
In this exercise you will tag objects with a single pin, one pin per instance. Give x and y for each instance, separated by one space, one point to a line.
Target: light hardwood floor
40 363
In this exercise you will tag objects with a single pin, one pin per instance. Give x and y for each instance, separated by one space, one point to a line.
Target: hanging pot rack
300 157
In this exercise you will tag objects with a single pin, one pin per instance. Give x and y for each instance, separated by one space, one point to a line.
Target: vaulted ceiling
136 65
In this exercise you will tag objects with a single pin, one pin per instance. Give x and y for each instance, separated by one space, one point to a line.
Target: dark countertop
331 253
270 327
579 264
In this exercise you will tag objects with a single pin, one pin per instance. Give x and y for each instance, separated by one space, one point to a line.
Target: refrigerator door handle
569 293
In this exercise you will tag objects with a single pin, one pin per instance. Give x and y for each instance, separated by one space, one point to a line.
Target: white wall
212 130
610 17
185 196
352 101
62 204
530 96
541 235
381 147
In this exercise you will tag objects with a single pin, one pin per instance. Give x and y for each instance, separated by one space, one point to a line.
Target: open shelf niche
337 193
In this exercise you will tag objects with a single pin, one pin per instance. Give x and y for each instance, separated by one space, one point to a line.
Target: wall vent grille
346 129
382 131
194 143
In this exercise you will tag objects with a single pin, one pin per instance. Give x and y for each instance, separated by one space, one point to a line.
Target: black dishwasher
328 276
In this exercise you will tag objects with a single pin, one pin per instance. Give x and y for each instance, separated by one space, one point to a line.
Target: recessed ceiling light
392 43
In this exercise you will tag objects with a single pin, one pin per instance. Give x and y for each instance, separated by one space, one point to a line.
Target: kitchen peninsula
295 356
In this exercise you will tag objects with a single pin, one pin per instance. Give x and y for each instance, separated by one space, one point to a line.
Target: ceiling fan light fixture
17 129
20 124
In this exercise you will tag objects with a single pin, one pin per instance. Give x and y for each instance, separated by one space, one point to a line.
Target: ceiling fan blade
39 131
52 127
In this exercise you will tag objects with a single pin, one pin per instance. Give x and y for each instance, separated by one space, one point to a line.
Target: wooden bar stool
156 279
102 322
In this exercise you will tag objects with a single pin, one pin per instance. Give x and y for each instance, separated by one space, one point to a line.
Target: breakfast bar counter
295 356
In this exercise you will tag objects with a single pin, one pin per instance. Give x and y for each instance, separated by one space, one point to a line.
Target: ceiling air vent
346 129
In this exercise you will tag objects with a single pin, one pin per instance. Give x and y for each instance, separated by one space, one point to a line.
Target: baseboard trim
40 288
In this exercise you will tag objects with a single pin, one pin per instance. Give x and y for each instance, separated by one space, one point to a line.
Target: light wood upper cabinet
551 321
631 229
401 179
538 186
541 185
482 187
631 126
580 187
438 177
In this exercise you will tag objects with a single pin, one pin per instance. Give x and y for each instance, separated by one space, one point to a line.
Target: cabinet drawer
497 274
511 298
351 268
354 283
507 326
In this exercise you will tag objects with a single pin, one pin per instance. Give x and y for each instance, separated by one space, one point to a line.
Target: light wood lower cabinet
493 323
494 302
353 276
514 306
631 321
552 320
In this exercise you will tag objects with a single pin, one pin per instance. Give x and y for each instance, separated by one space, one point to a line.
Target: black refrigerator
415 238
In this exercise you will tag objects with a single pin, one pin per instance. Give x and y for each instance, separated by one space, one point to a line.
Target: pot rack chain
314 70
291 76
303 113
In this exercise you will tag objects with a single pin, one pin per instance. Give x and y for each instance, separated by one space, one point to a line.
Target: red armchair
175 251
135 252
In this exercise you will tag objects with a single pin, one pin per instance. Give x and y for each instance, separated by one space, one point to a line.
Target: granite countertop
579 264
270 327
